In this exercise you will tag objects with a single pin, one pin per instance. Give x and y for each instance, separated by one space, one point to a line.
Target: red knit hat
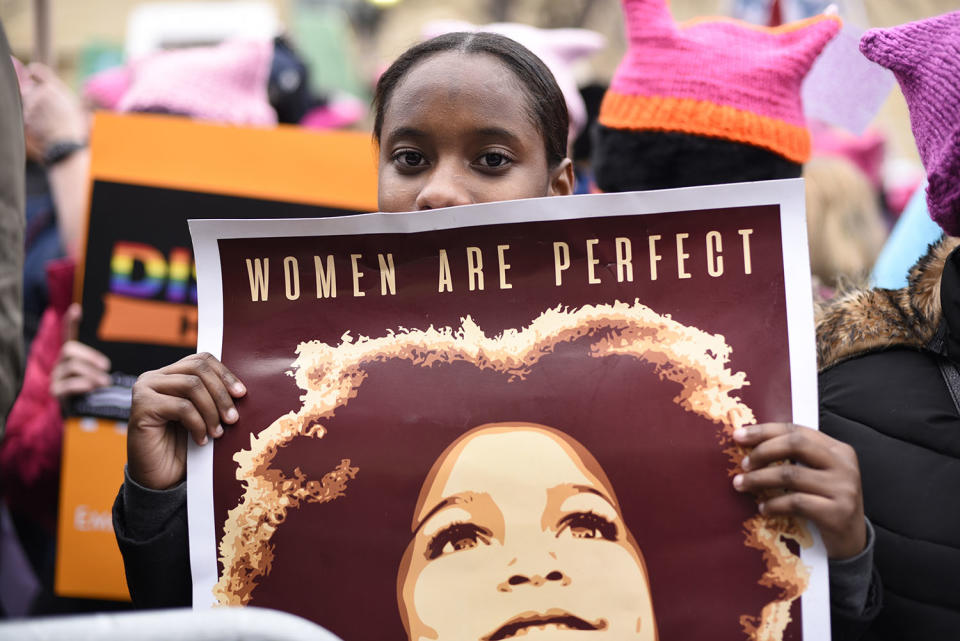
716 77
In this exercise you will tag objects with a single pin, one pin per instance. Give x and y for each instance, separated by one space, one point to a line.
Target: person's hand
51 112
194 395
798 471
79 368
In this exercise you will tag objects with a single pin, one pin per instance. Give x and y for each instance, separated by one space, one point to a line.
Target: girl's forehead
453 92
455 72
509 459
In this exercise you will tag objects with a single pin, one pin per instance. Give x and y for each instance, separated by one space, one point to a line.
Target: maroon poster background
336 563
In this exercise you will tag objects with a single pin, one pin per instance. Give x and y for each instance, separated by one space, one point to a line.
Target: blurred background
346 42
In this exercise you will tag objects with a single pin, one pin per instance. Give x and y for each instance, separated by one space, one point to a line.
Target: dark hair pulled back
545 103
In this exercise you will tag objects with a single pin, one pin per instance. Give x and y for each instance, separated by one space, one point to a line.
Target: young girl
463 118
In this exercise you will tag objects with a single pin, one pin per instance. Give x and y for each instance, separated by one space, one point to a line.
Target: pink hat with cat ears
222 83
559 49
716 77
925 58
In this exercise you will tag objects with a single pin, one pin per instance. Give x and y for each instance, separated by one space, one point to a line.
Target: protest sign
502 418
151 173
88 560
137 283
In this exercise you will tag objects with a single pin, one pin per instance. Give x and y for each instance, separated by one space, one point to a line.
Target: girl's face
457 131
515 534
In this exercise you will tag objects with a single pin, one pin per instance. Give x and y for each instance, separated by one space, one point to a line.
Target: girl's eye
493 160
409 158
457 537
587 525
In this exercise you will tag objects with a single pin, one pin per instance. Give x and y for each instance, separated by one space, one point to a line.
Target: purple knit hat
925 58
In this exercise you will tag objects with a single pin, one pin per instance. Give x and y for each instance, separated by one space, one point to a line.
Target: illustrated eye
409 158
457 537
588 525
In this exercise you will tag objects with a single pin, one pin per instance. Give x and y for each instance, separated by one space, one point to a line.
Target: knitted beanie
559 49
925 58
716 77
226 83
866 150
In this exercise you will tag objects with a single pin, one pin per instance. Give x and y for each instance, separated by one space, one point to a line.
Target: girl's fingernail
739 433
738 481
231 416
763 508
238 388
218 431
745 463
203 441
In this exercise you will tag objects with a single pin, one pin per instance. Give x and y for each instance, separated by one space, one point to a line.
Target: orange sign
148 321
88 560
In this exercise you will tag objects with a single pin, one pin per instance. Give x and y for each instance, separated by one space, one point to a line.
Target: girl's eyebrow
406 132
480 132
496 132
588 489
460 498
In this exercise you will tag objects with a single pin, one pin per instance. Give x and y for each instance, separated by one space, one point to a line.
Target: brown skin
194 395
820 475
455 132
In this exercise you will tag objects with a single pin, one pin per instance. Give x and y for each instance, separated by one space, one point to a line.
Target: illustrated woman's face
456 131
517 532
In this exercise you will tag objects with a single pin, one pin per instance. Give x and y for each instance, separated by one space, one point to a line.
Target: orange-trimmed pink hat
716 77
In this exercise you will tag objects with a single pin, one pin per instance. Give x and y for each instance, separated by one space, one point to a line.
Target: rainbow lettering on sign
178 273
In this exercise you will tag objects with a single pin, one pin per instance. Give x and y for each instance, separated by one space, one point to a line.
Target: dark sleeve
12 186
856 595
151 529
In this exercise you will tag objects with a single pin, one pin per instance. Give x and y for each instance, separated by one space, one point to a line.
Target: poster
510 418
137 282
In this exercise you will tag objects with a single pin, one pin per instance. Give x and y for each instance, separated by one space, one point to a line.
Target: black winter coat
885 359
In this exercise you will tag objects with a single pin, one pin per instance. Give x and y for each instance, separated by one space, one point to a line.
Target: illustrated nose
534 580
444 188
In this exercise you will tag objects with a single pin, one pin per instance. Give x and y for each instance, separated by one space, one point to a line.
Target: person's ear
561 179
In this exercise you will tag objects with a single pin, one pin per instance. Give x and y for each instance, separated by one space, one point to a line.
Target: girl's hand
194 395
819 475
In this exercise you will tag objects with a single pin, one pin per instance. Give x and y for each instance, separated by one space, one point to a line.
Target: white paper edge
201 528
788 194
815 600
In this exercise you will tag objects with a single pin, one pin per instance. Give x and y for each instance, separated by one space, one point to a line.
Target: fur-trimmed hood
870 320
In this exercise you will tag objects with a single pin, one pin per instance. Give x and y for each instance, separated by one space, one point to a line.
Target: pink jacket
30 451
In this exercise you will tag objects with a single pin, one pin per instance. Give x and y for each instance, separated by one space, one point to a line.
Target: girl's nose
444 187
533 580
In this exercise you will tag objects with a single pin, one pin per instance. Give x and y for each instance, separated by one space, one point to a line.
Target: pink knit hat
925 58
716 77
225 83
866 150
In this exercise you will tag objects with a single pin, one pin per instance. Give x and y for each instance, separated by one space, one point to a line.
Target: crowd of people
472 116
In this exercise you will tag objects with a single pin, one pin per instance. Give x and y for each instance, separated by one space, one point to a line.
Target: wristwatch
61 150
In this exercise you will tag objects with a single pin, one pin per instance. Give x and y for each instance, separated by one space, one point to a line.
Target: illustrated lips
563 620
